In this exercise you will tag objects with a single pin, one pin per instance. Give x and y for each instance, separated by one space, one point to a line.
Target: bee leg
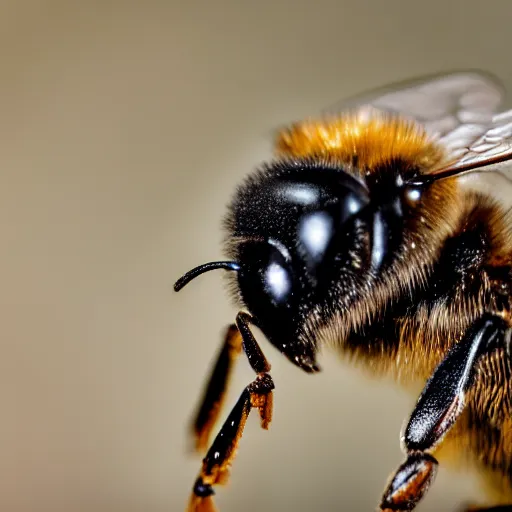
215 391
438 407
258 394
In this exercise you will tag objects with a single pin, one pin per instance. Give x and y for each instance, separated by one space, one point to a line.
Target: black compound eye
265 273
277 281
321 234
315 232
351 204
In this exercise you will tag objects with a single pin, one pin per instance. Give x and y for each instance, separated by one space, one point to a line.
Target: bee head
298 234
295 228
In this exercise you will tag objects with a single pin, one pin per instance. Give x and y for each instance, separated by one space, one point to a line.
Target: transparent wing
461 110
456 108
491 153
492 149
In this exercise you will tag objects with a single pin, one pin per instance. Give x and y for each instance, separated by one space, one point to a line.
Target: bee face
364 233
294 228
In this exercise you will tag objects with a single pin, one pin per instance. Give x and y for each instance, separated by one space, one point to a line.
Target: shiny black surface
305 232
442 400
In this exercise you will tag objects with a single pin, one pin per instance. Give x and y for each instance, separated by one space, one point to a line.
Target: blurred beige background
123 129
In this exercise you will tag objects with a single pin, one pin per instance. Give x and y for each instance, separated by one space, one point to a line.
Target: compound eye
352 204
265 274
277 281
314 235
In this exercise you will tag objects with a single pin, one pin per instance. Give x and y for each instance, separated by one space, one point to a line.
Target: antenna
201 269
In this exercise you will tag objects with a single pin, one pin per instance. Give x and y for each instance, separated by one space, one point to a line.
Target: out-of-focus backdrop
124 127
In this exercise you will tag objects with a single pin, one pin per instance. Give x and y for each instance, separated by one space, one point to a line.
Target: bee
382 228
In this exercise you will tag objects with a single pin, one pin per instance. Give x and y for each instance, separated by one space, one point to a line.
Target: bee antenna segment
201 269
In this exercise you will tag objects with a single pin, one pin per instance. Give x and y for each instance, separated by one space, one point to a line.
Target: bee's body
455 262
350 240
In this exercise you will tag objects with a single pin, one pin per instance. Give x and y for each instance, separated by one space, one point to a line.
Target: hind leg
438 408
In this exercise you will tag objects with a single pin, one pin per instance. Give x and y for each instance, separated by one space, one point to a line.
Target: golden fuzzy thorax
367 139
